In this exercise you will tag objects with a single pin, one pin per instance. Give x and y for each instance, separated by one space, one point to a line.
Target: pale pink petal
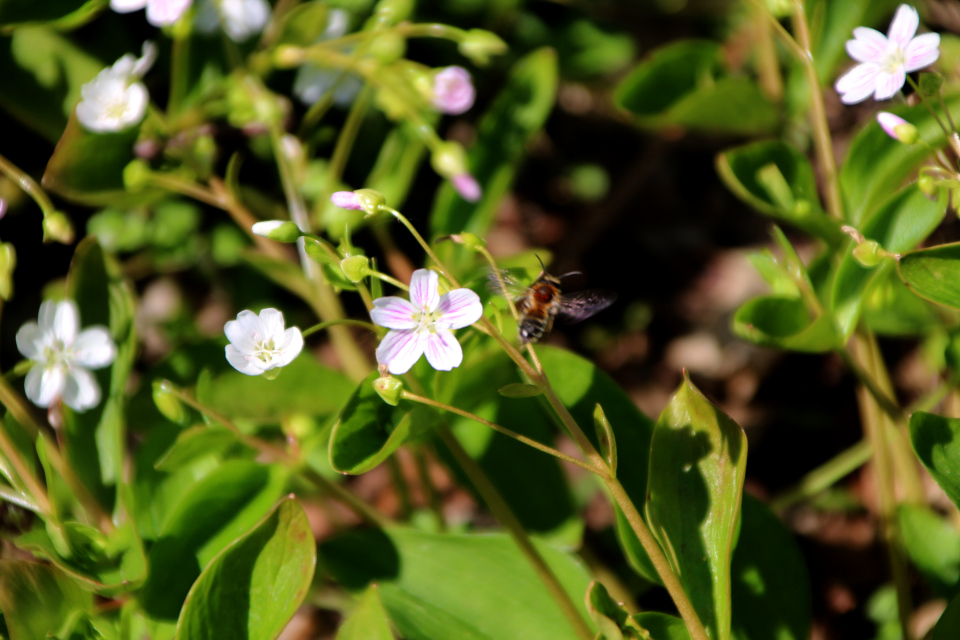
290 347
858 83
889 122
126 6
394 313
346 200
30 341
922 52
240 362
273 324
94 348
453 90
889 83
44 385
81 390
423 289
867 46
458 309
161 13
443 351
467 186
400 350
904 26
66 321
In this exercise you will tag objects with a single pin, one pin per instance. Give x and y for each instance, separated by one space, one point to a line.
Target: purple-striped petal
443 351
904 26
423 289
922 52
889 83
400 350
459 308
867 45
858 83
394 313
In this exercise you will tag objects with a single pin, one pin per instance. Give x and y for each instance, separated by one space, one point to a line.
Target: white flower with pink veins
160 13
885 60
260 343
424 324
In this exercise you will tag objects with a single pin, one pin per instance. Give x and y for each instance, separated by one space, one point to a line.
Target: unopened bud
869 253
370 200
478 45
388 47
136 175
897 128
167 402
395 10
346 200
355 268
8 260
279 230
449 160
467 186
389 389
928 186
57 228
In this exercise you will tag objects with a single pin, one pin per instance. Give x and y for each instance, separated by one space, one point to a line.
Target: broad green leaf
368 620
304 386
369 429
66 13
198 442
936 441
933 274
37 599
777 180
770 585
254 586
697 463
900 224
456 586
684 84
933 545
948 626
890 309
610 617
518 112
662 626
785 322
223 506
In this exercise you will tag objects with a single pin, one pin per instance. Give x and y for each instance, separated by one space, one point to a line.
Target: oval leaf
933 274
936 441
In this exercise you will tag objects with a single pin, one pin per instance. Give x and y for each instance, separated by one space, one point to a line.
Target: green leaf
948 626
683 84
224 505
37 599
770 586
933 274
930 83
397 164
610 617
608 443
195 443
748 172
518 112
66 13
368 620
697 464
890 309
456 586
254 586
302 25
663 627
933 545
936 441
369 429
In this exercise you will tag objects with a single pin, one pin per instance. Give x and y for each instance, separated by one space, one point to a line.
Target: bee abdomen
532 329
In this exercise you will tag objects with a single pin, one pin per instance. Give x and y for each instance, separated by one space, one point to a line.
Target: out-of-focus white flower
424 324
885 60
260 343
897 128
160 13
240 19
453 91
312 82
279 230
63 357
116 99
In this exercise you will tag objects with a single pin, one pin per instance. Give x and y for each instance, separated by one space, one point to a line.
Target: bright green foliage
37 599
936 441
933 273
933 545
368 620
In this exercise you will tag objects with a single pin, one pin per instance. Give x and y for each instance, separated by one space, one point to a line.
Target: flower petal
240 362
48 312
161 13
81 390
66 321
394 313
423 289
94 348
904 26
889 83
246 331
44 385
922 51
458 309
400 350
273 324
30 341
126 6
867 45
858 83
290 347
443 351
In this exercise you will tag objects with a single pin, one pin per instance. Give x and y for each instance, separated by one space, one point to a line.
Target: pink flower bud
897 128
467 187
453 91
346 200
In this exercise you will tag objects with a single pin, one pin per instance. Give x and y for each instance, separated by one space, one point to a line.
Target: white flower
63 357
885 61
260 343
116 99
424 324
160 13
240 18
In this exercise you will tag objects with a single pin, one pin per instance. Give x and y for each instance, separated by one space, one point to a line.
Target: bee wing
575 307
502 283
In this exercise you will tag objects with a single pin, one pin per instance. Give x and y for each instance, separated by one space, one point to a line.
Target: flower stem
389 279
501 510
826 475
334 323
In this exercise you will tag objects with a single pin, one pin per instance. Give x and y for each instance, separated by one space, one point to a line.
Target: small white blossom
63 357
160 13
260 343
116 99
240 19
424 324
885 60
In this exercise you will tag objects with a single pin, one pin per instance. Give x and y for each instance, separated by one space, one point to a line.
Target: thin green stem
498 274
32 485
423 243
951 131
781 31
20 499
400 486
888 405
28 185
826 475
335 323
389 279
501 510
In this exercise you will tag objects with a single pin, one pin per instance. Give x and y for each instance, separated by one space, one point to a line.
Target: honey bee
542 302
